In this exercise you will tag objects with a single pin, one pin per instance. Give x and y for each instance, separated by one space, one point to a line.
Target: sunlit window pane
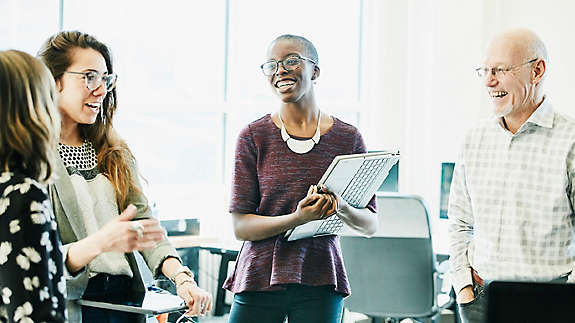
25 24
170 60
166 52
256 23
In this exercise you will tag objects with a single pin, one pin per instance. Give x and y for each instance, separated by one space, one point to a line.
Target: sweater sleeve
245 196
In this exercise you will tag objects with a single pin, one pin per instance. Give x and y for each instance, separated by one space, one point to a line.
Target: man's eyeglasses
94 79
499 71
289 63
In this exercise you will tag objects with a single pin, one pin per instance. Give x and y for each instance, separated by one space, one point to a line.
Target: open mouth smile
94 106
498 94
284 83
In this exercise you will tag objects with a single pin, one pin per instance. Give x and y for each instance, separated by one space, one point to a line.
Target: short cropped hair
29 119
307 46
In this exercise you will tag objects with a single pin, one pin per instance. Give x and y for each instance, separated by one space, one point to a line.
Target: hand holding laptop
354 179
315 206
324 191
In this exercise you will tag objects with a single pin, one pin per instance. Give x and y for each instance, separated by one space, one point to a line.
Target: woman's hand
124 235
361 220
121 234
335 199
315 206
199 301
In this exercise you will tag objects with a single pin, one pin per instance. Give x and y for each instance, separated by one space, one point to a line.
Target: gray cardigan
71 229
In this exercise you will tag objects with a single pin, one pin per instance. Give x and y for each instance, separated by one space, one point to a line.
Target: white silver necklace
300 146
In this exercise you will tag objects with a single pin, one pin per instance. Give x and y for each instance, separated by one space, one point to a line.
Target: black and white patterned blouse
32 286
80 160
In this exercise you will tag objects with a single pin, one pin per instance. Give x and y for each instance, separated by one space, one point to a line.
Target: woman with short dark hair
279 159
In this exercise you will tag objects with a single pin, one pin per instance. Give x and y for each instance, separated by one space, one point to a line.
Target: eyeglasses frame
497 70
101 79
282 63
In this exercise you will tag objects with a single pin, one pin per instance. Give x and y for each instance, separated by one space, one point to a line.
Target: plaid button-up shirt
511 203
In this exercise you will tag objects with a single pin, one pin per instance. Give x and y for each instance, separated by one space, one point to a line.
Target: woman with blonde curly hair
103 216
32 284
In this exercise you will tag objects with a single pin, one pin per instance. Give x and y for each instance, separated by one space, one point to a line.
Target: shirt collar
542 116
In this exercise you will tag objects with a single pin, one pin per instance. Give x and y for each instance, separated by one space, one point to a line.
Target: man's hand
465 295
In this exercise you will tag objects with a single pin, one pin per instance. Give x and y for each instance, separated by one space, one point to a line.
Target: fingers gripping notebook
355 178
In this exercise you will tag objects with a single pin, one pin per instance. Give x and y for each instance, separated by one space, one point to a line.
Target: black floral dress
32 286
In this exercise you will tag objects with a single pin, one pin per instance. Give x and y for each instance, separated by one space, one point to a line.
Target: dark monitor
446 176
529 302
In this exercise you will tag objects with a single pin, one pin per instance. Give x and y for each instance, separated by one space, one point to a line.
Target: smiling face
513 90
296 85
77 103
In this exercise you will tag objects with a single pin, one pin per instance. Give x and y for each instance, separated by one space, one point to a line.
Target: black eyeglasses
499 71
94 79
289 63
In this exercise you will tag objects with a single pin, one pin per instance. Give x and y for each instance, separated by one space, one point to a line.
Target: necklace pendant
300 146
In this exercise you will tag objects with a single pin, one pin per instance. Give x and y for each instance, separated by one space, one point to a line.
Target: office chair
394 274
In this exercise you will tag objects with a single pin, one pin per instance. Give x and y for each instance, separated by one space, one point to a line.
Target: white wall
420 84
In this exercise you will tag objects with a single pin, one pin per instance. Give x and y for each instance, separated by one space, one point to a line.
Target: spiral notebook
355 178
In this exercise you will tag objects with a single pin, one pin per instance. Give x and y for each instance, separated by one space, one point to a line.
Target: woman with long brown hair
32 284
102 214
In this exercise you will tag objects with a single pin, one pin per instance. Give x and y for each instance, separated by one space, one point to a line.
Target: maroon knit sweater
269 179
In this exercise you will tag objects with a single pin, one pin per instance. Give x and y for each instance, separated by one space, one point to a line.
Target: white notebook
355 178
151 302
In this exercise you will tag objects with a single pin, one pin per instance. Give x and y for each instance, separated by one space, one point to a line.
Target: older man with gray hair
511 204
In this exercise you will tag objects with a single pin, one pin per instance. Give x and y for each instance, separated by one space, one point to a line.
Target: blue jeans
474 311
299 303
111 289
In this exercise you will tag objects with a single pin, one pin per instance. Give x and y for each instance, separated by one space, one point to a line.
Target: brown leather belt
476 277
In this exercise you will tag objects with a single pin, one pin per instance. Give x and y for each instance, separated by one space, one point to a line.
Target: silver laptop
151 302
355 178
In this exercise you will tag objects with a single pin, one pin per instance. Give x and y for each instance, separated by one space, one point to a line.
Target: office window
254 24
189 78
165 53
26 24
170 62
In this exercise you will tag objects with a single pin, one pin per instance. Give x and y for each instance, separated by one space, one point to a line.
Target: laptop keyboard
330 225
360 182
353 193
